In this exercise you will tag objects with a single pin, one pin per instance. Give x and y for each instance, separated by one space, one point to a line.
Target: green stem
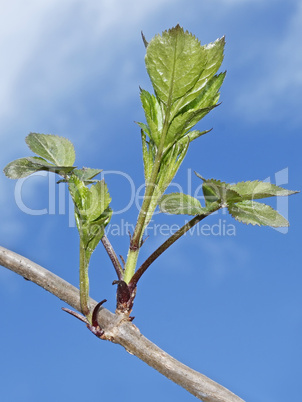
141 220
135 242
138 232
84 281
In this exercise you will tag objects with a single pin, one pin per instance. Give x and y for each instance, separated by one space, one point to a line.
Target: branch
119 330
113 257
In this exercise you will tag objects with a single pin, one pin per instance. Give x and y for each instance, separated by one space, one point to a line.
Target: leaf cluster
92 211
186 86
238 198
91 198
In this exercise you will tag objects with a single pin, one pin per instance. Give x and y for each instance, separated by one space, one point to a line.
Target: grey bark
120 330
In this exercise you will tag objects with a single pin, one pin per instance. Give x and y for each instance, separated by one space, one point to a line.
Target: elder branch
119 330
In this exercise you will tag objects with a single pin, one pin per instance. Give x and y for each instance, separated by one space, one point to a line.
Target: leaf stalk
84 281
164 246
113 257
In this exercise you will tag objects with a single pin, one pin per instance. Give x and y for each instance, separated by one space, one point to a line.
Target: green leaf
80 193
179 203
238 199
257 213
189 116
182 123
214 58
92 232
253 190
182 73
169 166
21 168
209 96
218 191
100 200
248 190
145 129
58 150
174 61
26 166
86 174
92 211
192 135
153 115
148 155
90 202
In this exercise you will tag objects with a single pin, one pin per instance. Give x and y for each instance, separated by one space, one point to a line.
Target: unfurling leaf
92 212
90 202
171 161
179 203
149 150
58 150
182 123
257 213
153 116
192 135
92 232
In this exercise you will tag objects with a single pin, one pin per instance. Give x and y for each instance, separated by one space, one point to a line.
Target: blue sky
228 306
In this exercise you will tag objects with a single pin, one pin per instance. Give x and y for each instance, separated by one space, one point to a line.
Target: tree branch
119 330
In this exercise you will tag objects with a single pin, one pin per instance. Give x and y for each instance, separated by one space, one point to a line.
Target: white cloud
290 56
277 94
238 2
29 31
49 49
20 25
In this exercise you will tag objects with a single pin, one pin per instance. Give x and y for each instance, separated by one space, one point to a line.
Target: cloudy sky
225 300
